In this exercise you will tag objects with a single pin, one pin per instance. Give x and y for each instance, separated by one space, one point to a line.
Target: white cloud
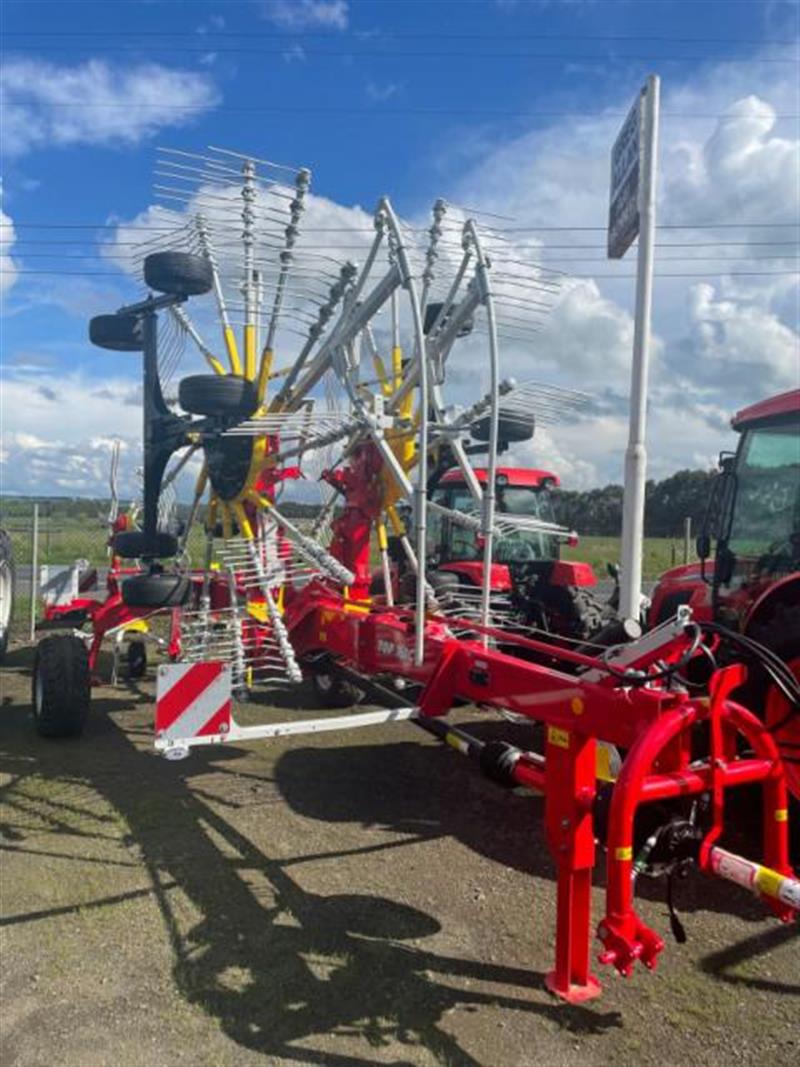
305 14
587 335
549 451
742 171
96 103
717 344
49 453
8 268
44 452
740 344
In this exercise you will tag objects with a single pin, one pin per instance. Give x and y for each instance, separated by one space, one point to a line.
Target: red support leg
570 788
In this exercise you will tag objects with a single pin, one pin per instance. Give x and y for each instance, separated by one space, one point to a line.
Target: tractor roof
517 476
774 408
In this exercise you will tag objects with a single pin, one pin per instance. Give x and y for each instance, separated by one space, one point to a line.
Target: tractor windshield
524 545
766 513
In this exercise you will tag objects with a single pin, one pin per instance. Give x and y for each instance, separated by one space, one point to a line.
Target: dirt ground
344 900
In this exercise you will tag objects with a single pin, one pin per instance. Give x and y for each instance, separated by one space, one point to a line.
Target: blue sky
506 106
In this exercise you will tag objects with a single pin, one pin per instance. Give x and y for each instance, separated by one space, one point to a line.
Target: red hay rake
273 603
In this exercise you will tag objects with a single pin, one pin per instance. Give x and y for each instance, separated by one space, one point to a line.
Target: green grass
658 553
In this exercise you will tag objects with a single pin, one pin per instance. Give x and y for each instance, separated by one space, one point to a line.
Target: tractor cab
520 491
752 521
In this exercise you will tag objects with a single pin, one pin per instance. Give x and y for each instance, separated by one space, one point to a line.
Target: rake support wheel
217 395
134 544
119 333
61 686
178 273
156 591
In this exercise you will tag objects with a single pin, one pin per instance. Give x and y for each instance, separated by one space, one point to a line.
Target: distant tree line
592 512
598 512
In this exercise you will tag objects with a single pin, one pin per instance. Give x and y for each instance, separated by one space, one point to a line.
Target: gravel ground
347 900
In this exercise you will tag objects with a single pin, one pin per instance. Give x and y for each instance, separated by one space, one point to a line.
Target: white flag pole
636 453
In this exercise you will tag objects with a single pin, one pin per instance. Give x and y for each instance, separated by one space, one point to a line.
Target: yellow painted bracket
233 351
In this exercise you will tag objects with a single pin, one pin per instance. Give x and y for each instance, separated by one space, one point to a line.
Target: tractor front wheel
61 686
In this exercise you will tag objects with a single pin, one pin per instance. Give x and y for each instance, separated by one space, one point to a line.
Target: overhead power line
658 274
16 241
376 110
392 35
789 224
399 53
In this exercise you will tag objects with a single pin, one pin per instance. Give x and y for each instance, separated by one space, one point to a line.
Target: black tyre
61 686
178 273
120 333
216 394
569 611
137 659
133 544
6 590
156 591
332 691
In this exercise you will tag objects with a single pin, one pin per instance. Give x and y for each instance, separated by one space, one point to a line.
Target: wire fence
49 536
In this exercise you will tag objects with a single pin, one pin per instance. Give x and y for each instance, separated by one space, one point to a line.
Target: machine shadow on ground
249 961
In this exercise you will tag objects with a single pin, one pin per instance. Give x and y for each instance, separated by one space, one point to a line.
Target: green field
658 554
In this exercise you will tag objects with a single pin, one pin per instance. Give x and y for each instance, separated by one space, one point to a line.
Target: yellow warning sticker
602 763
558 737
768 881
624 853
781 815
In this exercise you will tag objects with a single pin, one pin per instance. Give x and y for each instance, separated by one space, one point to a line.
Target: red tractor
530 584
752 586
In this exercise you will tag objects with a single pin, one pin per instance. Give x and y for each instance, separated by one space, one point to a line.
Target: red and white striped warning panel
192 700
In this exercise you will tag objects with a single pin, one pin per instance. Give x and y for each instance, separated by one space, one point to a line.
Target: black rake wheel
156 591
133 544
119 333
61 686
218 395
178 273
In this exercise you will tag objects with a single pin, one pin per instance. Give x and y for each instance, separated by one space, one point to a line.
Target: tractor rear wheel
570 611
218 395
178 273
61 686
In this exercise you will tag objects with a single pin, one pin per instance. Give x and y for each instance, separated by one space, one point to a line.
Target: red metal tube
698 779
